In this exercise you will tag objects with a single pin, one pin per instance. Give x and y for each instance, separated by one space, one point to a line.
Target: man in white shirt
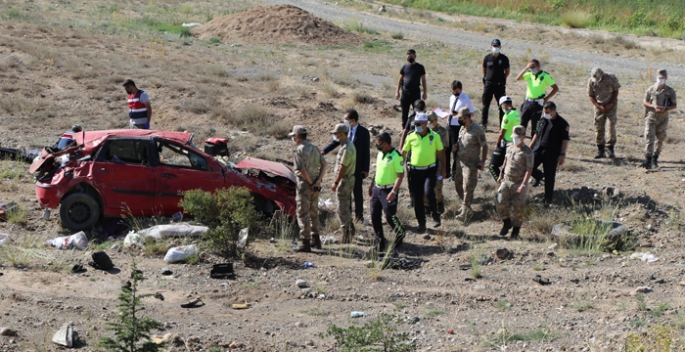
458 100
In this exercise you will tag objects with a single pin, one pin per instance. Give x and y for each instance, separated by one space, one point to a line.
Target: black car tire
79 211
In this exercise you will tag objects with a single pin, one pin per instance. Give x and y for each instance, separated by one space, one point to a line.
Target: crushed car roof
267 166
91 139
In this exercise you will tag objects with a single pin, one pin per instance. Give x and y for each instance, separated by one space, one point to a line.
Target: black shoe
648 162
600 151
421 229
441 208
610 153
436 222
515 233
655 158
505 227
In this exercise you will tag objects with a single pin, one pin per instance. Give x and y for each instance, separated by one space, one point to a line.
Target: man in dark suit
361 138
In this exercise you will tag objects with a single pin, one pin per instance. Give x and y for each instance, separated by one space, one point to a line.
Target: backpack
101 261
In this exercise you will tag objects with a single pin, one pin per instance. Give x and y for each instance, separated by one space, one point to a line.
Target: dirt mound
281 24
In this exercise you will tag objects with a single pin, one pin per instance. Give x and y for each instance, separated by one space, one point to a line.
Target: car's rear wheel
79 211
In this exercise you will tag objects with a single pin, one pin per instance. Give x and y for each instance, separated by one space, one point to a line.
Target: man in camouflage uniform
513 180
309 168
659 99
344 180
602 88
444 137
472 149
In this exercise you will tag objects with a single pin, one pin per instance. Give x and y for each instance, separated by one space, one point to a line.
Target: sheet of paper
440 113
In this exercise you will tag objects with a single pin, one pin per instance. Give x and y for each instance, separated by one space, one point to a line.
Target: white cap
421 118
504 99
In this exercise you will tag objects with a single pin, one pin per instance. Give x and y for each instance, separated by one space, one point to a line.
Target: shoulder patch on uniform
506 121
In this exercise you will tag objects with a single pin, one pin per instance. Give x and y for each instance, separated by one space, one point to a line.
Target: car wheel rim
79 213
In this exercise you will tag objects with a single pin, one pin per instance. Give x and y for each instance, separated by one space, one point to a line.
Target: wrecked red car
144 173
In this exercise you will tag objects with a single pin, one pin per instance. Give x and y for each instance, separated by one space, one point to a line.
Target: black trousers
422 183
530 111
549 163
489 90
358 194
379 206
497 159
450 155
406 101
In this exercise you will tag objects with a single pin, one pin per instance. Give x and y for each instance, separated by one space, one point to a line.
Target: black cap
129 82
411 51
496 42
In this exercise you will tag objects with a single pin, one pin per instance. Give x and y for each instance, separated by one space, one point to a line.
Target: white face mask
294 141
517 140
335 138
347 124
547 116
661 81
495 50
419 129
534 71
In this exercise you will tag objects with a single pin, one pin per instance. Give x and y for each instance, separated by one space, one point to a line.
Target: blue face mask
419 129
534 71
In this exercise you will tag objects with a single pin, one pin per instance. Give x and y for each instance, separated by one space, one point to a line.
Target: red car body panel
155 189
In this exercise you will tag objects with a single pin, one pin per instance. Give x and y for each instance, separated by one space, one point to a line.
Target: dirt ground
63 64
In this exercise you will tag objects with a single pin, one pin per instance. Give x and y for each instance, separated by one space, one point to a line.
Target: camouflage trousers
344 211
507 196
307 210
655 132
465 181
438 193
600 126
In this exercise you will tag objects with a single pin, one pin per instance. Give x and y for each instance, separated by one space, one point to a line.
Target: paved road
623 66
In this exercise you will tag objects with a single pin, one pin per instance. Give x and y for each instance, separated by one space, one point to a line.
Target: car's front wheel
79 211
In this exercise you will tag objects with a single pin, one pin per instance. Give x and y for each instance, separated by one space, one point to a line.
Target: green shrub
376 336
658 338
398 36
131 332
575 19
360 28
225 212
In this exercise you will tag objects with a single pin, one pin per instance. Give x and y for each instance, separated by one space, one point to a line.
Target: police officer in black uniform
495 73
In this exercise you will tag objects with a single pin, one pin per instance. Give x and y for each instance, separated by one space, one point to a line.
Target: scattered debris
241 306
191 25
171 231
541 281
101 261
179 254
326 204
193 303
133 239
178 216
465 267
77 268
8 332
242 238
357 314
308 264
77 240
642 289
403 263
450 331
220 271
167 272
645 257
65 336
301 283
4 238
329 240
504 254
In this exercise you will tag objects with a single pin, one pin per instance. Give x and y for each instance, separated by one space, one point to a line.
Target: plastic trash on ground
357 314
179 254
191 25
77 240
178 216
645 257
133 239
326 204
176 230
242 238
4 238
329 240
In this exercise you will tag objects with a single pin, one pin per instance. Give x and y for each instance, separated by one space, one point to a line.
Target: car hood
271 167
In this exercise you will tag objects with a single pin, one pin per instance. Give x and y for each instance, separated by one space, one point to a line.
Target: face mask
598 79
294 141
534 71
456 94
661 81
517 140
547 116
347 124
461 122
495 50
419 129
335 138
379 147
411 59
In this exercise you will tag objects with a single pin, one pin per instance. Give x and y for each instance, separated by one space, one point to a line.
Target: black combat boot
505 227
600 151
441 208
610 153
316 241
648 162
304 247
655 158
515 233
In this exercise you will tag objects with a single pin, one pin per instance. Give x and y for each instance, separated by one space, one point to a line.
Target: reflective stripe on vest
137 110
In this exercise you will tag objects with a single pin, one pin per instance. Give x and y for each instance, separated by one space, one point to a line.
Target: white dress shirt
461 102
